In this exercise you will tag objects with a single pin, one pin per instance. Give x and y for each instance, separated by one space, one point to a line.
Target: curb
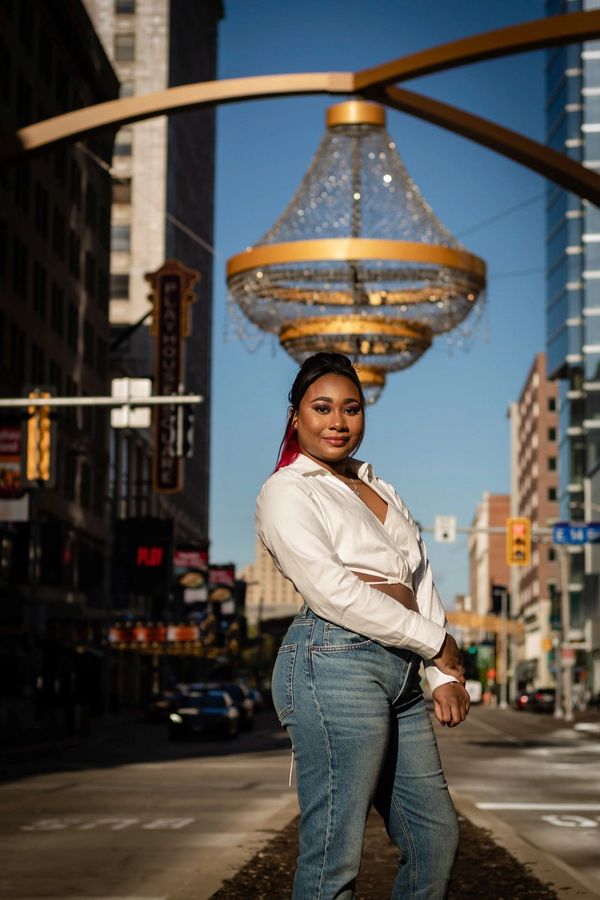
554 873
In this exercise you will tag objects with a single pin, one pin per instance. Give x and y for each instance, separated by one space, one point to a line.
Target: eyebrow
329 400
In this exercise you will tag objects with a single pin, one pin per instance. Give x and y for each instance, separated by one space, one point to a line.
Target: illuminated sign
172 294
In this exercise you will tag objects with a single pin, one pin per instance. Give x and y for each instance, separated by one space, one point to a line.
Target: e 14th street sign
576 533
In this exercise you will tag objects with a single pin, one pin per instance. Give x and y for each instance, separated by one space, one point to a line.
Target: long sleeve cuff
435 676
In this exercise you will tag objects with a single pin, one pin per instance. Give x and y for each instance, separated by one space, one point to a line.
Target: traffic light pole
564 667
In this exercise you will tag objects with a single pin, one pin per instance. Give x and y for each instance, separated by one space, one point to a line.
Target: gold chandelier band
353 326
355 112
351 249
370 376
324 297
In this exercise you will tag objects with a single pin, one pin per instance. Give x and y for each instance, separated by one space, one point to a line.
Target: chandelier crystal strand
358 262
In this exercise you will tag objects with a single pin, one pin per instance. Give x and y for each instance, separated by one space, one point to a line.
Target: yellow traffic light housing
518 541
39 439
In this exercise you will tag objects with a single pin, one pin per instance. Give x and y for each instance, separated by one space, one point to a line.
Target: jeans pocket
282 681
337 638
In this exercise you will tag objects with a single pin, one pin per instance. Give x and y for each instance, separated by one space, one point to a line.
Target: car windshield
236 692
210 700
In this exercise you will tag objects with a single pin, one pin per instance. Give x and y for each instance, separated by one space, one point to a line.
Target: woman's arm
291 526
430 605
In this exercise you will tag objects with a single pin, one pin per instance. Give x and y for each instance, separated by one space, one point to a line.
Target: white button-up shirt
317 530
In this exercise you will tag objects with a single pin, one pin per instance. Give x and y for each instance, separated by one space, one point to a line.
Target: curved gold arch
542 159
370 83
534 35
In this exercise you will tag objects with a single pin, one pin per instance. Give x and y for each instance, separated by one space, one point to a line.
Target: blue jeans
361 736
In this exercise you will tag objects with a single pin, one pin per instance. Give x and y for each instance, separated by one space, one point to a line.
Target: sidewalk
484 869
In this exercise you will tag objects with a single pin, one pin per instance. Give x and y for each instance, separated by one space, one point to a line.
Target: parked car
523 700
204 712
161 705
243 701
543 700
474 689
257 697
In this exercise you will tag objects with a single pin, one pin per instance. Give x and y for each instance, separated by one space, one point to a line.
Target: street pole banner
172 294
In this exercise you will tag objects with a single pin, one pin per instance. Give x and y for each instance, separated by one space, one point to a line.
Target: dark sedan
205 713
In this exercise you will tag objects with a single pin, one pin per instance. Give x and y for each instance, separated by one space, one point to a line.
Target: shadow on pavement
136 741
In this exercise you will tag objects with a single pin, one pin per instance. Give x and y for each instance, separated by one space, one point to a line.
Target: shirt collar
306 466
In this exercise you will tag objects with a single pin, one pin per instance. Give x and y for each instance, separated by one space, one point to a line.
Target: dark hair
312 368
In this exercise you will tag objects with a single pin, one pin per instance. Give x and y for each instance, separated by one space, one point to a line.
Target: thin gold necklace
353 487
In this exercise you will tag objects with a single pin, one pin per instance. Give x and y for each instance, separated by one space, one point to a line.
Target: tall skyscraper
573 313
163 190
54 334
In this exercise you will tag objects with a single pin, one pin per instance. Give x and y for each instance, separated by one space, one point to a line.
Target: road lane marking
582 807
571 821
113 823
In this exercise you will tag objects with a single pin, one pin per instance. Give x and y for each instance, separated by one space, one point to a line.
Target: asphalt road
535 774
130 816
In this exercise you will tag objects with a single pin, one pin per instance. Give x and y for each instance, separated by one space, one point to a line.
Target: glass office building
573 314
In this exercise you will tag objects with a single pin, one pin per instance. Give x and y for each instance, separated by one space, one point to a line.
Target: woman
346 683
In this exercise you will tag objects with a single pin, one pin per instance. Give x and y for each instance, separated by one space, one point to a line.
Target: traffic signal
39 440
518 541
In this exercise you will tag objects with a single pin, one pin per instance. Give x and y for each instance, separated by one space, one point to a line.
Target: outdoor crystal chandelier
358 263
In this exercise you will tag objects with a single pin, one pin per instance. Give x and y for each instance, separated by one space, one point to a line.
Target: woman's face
330 421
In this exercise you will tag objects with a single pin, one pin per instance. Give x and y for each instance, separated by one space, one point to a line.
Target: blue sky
439 432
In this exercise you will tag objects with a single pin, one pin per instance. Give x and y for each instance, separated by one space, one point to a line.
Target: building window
101 358
39 290
120 238
551 404
552 434
124 7
60 164
551 554
54 377
76 184
123 142
125 47
552 464
88 344
58 233
119 287
23 102
91 207
21 187
90 274
70 479
72 326
38 374
19 267
551 493
3 247
41 209
127 89
121 190
74 251
45 53
17 353
102 298
57 301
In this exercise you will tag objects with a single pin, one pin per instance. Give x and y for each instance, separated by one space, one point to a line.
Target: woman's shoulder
282 481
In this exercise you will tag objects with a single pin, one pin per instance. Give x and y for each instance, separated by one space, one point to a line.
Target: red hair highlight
290 448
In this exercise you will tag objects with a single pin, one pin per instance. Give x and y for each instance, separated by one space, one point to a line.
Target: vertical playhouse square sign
171 297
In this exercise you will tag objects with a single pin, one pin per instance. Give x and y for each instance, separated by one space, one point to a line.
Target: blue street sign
576 533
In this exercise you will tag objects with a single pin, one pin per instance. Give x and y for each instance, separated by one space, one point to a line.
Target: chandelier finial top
355 112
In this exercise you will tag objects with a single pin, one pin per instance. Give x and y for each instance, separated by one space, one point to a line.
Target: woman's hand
451 704
449 659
